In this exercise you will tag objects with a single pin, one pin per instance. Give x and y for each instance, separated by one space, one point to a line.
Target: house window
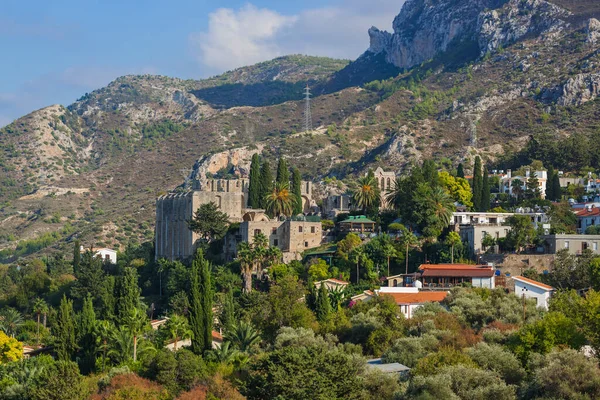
595 246
300 229
566 244
312 229
273 230
256 232
107 257
275 242
305 244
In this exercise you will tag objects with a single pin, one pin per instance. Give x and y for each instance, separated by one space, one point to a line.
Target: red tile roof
594 212
417 298
217 336
337 281
532 282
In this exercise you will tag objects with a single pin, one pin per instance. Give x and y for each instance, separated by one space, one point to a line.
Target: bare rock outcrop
592 31
578 90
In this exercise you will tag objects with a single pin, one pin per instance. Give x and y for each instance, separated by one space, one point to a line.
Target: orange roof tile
589 213
417 298
337 281
532 282
217 336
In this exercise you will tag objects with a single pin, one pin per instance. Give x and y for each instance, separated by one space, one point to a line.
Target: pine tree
90 277
283 174
556 189
297 191
485 191
201 305
323 309
128 294
266 183
76 256
460 171
549 186
86 336
477 184
254 185
64 330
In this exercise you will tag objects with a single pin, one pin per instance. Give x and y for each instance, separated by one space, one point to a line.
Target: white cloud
242 37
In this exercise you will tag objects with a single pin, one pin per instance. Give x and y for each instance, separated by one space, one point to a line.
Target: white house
409 302
507 186
530 289
332 284
589 216
106 255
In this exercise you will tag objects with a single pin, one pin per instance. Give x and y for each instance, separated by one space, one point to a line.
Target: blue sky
55 51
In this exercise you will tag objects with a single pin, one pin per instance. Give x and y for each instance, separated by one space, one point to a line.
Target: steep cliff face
426 28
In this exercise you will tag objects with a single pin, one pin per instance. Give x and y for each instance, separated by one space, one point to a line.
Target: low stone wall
515 264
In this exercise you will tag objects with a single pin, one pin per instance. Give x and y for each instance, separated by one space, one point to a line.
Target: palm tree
280 201
452 240
178 328
409 240
136 322
225 353
121 345
517 188
336 297
395 193
442 206
242 336
367 193
389 251
10 321
358 254
104 332
39 307
245 256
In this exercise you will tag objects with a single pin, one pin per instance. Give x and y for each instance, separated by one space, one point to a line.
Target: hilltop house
445 276
407 298
530 289
357 224
574 243
589 216
508 183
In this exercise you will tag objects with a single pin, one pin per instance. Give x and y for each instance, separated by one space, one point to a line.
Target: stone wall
515 264
174 240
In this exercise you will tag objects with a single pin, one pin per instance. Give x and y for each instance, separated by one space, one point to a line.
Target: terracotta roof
417 298
217 336
453 266
595 211
533 283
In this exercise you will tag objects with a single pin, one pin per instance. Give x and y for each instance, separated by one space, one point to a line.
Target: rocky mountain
457 78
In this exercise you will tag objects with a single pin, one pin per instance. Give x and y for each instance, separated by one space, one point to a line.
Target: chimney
527 173
509 173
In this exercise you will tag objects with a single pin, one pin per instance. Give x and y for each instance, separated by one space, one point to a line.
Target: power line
307 113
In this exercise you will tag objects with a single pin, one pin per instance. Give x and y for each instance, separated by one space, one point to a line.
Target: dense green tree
485 191
254 190
460 171
201 318
521 233
283 174
10 321
477 184
556 189
227 316
562 218
549 187
136 323
76 255
453 240
40 307
532 187
63 330
209 222
59 381
86 336
127 294
266 183
499 359
90 278
323 309
297 191
178 329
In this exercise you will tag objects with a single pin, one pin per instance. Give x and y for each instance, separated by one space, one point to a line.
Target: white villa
530 289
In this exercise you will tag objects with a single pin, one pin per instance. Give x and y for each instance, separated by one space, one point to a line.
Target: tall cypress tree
86 337
323 308
201 318
283 175
227 317
485 191
128 294
549 186
556 189
477 184
254 185
76 256
266 183
297 191
460 171
63 330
